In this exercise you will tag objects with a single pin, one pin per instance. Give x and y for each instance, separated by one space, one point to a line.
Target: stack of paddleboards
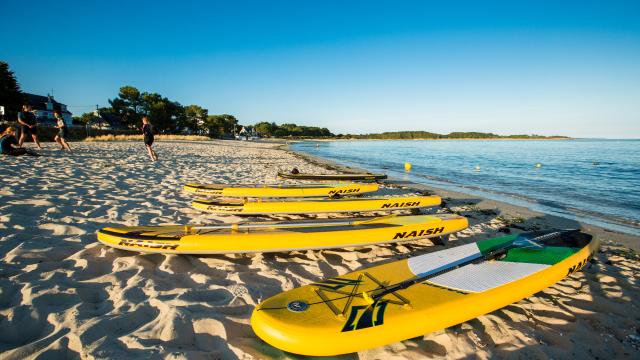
250 237
378 305
303 199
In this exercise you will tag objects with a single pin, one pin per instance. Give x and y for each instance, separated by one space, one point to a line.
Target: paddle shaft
288 225
491 255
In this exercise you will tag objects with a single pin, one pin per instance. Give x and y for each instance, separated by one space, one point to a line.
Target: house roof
109 118
39 102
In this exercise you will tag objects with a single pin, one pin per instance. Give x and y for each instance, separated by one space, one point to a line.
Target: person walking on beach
147 133
61 136
7 142
28 125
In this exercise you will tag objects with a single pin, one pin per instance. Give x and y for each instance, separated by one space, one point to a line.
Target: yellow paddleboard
411 297
333 177
239 207
279 236
280 190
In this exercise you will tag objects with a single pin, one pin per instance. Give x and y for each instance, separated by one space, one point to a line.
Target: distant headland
425 135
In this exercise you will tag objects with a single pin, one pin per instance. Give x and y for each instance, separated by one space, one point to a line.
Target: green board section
550 255
489 245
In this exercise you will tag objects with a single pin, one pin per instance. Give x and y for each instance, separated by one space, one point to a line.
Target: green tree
286 130
85 118
291 129
472 135
128 106
230 122
194 120
10 95
165 115
265 128
214 125
221 125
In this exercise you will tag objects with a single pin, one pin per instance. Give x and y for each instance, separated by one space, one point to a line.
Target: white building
44 106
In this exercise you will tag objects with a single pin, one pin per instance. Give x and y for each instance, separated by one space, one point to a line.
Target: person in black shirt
29 125
147 133
8 141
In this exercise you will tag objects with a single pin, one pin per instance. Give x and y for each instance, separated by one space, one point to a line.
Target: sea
595 181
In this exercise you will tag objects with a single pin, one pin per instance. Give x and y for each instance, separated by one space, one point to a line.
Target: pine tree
10 95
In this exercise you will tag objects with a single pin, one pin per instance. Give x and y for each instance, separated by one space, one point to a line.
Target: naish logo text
401 204
344 191
223 208
416 233
580 265
208 191
142 244
362 317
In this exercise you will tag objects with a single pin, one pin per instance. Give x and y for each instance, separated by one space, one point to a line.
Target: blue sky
544 67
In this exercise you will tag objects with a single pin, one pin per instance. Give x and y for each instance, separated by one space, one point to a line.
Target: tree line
285 130
419 135
168 116
126 109
129 106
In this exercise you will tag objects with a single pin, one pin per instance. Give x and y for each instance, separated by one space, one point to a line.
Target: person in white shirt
61 137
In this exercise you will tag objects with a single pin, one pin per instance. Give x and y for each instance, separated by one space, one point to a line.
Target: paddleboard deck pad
333 177
411 297
280 190
279 236
239 207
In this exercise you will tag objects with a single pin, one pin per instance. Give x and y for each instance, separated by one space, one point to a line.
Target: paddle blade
538 240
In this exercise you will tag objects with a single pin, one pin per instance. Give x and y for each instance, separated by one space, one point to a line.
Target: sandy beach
64 295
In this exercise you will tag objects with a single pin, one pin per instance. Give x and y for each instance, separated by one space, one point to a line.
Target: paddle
522 241
239 226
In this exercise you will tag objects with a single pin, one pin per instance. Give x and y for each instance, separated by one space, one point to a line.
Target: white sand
64 295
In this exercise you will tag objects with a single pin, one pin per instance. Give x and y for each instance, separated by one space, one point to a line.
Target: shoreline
532 219
444 139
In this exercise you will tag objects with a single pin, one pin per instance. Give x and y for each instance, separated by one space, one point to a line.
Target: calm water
596 181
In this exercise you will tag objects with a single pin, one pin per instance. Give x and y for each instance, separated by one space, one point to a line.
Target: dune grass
139 137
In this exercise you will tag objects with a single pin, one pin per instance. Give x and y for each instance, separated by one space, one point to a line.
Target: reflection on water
597 181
